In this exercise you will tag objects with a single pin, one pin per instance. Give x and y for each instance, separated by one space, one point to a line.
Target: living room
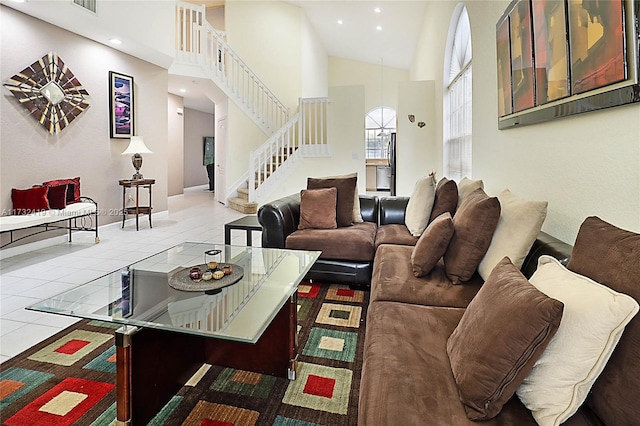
583 165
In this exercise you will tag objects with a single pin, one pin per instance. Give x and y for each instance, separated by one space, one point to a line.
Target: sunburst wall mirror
50 91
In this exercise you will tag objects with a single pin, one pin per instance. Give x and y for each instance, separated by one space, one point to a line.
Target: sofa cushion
609 255
346 188
500 336
395 234
348 243
419 206
393 280
73 188
432 244
518 226
593 320
406 377
474 224
31 200
466 187
318 208
446 199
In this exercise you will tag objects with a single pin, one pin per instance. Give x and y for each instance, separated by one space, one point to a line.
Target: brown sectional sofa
407 377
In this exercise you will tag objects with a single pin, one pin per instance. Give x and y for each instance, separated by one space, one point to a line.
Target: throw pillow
446 199
419 206
32 200
318 208
466 187
73 196
609 255
346 188
473 224
593 320
432 244
357 215
519 225
57 196
504 330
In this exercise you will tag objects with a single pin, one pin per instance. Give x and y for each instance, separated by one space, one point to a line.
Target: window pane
379 124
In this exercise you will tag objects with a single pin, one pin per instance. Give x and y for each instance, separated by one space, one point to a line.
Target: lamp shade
137 146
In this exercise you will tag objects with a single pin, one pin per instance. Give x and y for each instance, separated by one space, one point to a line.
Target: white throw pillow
593 320
466 187
519 225
420 204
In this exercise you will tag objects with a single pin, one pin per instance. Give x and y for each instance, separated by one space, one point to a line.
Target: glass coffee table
173 320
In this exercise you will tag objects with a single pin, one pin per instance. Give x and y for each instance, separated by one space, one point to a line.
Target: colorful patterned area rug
69 379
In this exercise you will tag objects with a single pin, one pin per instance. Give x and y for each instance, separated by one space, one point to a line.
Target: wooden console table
138 209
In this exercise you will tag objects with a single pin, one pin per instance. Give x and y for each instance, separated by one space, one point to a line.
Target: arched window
378 125
457 98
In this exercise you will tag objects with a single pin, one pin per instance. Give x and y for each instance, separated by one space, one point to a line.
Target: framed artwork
550 50
596 35
557 58
521 56
121 106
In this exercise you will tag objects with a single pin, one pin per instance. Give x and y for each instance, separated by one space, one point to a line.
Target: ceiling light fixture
379 28
377 10
183 90
339 21
115 41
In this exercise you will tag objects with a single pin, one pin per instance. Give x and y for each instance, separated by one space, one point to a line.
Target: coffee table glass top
140 295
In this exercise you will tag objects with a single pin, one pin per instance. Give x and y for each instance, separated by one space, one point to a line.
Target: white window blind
457 141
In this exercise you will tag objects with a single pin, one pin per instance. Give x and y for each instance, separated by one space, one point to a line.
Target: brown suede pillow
504 330
474 224
611 256
346 188
432 244
318 208
446 198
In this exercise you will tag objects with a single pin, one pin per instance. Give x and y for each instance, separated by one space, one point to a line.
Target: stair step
243 193
243 206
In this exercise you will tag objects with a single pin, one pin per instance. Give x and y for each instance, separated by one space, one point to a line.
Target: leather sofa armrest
369 205
549 245
279 218
392 210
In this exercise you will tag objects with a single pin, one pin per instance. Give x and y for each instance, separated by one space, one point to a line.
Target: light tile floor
30 277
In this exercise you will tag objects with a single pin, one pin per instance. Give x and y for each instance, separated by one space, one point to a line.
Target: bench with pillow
54 205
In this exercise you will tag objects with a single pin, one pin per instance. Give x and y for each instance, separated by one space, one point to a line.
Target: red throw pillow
30 200
73 196
57 196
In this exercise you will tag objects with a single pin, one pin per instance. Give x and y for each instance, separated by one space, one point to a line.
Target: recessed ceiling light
377 10
115 41
183 90
379 28
339 21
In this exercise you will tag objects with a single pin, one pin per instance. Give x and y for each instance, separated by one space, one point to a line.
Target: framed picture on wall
121 106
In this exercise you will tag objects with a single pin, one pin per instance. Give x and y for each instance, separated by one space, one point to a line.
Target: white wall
417 152
315 63
583 165
29 155
197 125
175 147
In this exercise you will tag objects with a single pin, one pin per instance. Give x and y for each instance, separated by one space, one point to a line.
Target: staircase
289 138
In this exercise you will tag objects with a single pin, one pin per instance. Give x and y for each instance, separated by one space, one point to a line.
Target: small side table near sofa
137 209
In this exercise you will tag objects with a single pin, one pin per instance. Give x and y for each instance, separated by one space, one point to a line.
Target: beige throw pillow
592 323
519 225
419 206
466 187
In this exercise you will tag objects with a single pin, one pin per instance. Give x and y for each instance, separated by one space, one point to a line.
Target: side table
138 209
247 223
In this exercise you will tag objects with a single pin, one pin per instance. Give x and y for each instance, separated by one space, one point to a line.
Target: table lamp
137 147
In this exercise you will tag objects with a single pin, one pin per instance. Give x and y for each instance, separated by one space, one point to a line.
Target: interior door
220 160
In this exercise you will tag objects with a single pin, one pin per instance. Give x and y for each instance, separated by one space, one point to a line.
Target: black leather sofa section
280 218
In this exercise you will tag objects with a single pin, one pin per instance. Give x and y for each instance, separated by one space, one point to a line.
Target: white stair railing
305 134
198 43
